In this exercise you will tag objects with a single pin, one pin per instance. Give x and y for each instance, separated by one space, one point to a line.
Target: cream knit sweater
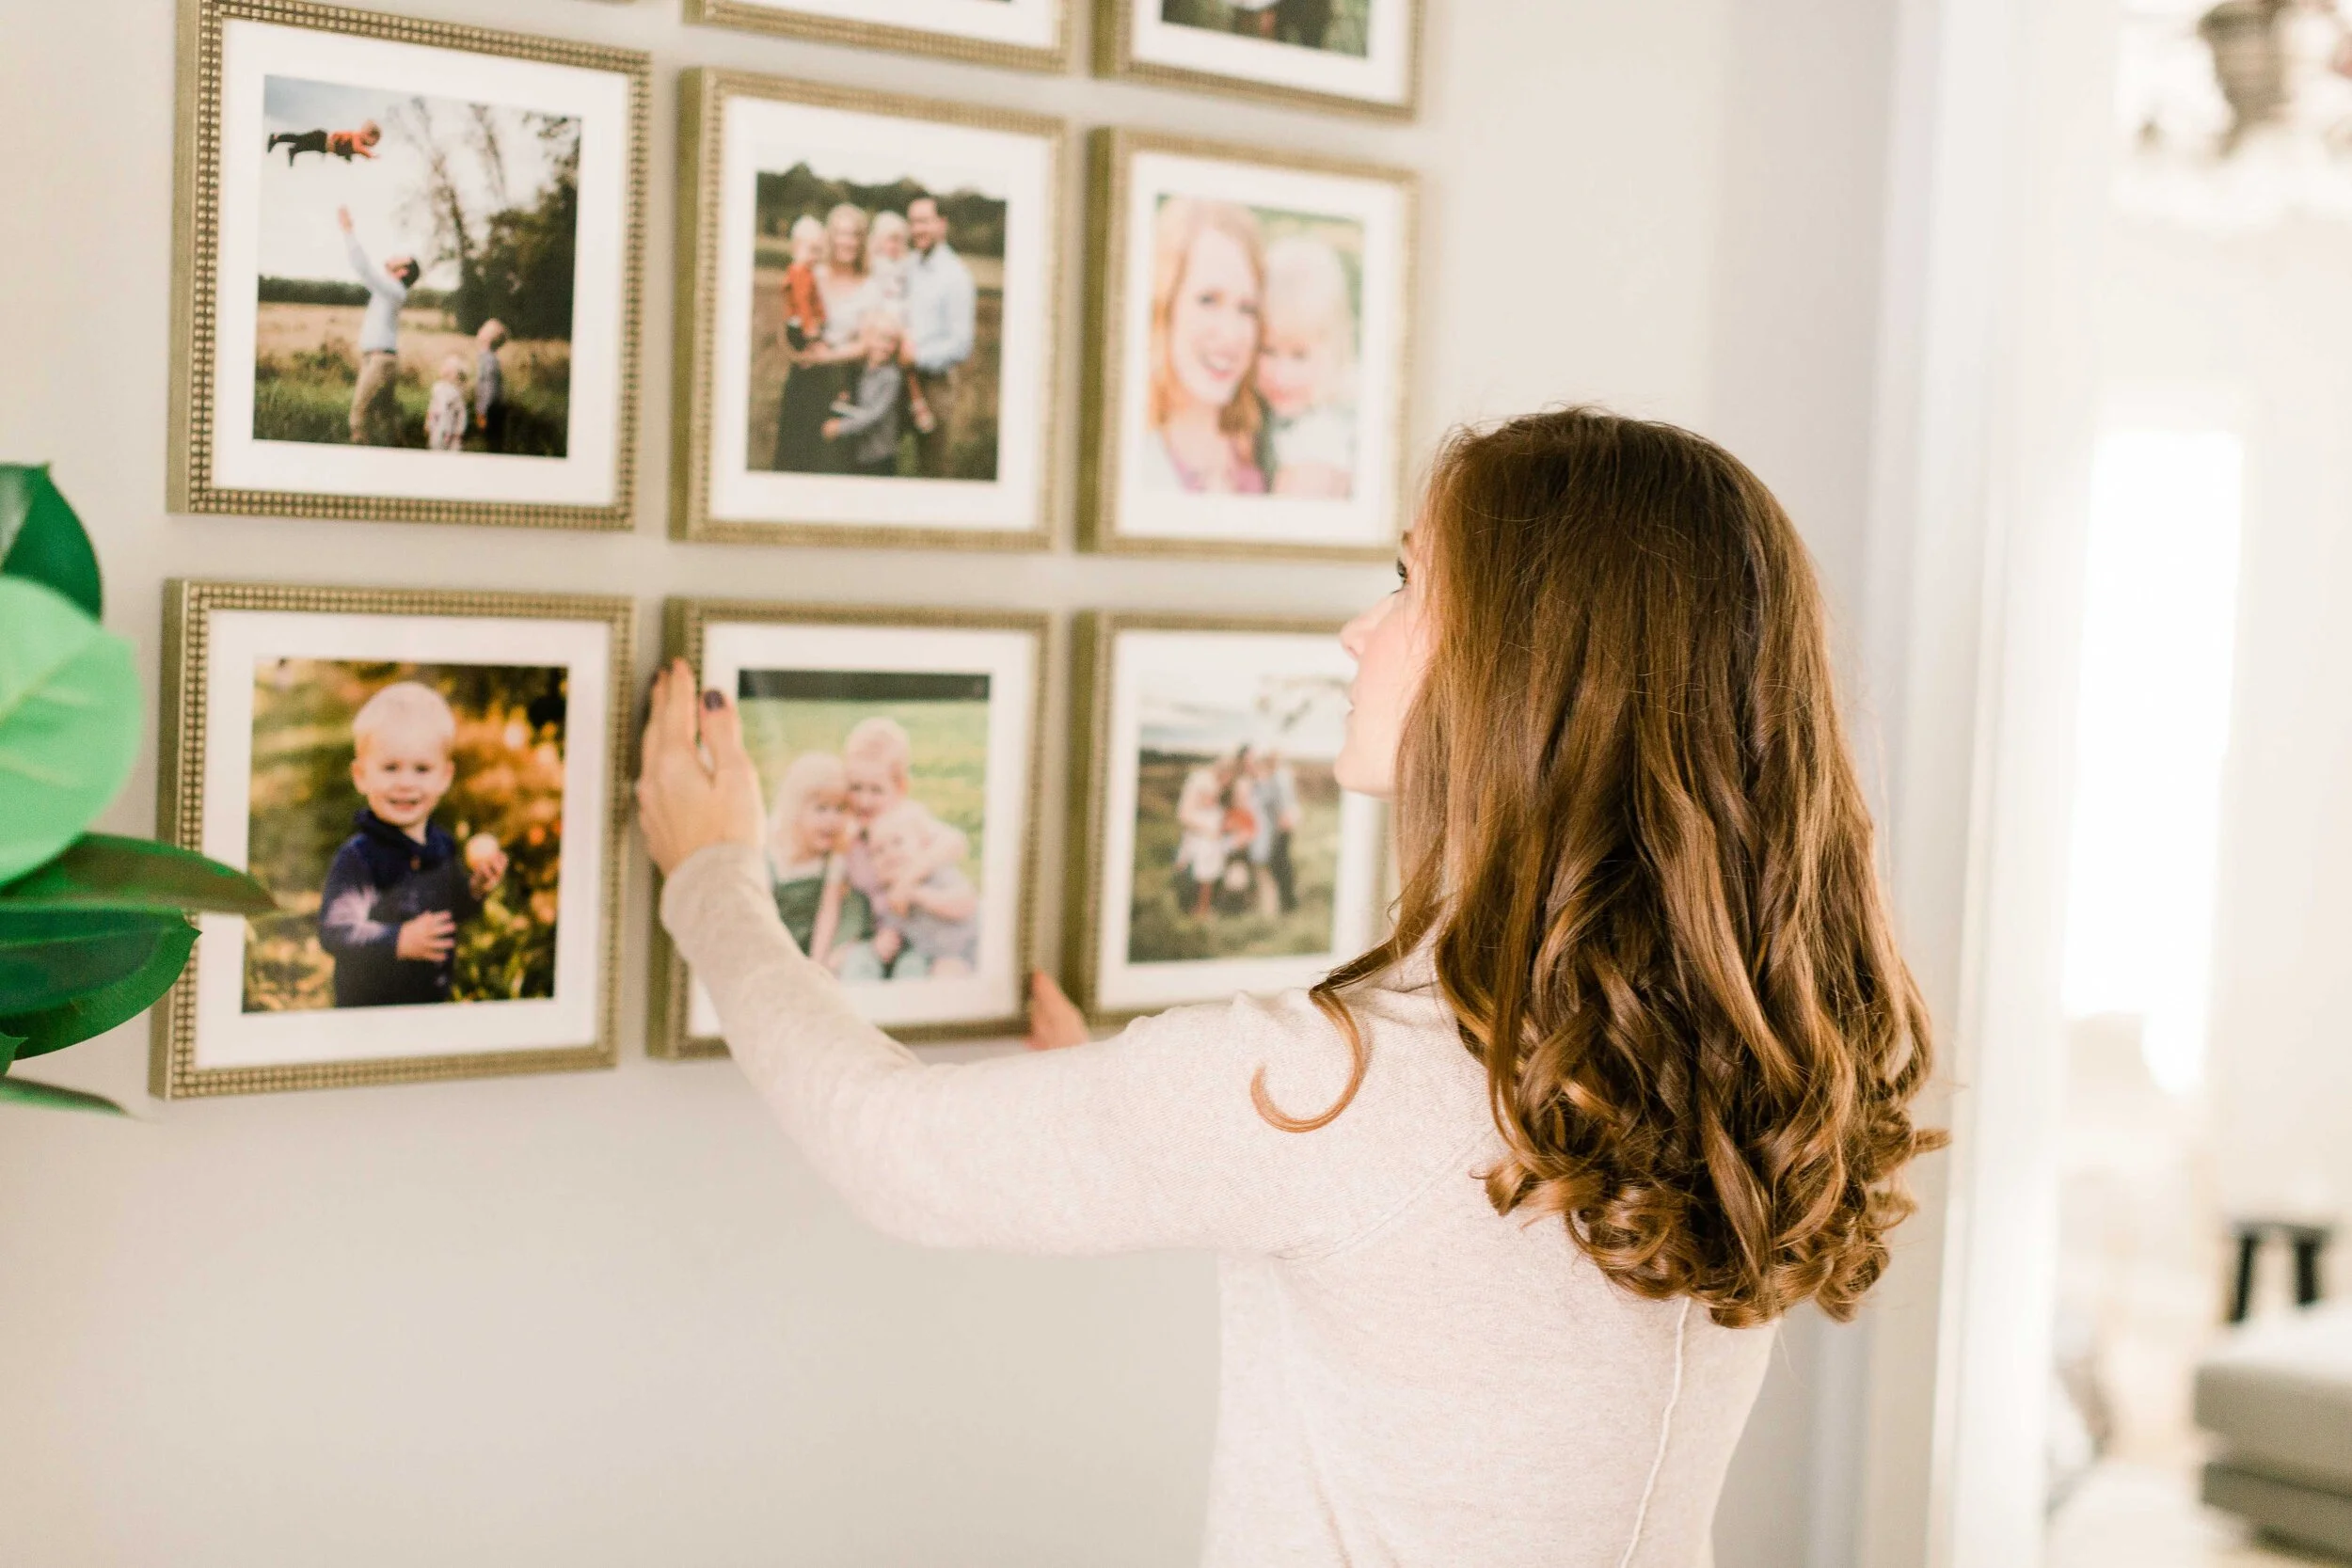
1409 1378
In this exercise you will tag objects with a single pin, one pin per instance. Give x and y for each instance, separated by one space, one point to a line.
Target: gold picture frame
189 609
1108 380
781 21
1089 828
1116 56
703 99
197 205
686 627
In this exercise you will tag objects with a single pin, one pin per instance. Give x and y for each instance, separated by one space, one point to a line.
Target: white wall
2264 320
610 1318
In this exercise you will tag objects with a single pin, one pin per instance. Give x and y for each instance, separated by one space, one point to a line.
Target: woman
827 369
1208 280
1506 1205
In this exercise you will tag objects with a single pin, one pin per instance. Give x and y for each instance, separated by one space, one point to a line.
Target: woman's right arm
1148 1140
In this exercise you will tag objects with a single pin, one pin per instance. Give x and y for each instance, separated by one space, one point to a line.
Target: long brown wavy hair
1634 839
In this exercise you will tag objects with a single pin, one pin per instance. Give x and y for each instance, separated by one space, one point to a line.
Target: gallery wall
608 1318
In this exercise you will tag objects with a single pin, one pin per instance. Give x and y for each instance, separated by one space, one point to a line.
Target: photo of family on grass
1237 816
1256 333
877 312
877 787
415 261
409 820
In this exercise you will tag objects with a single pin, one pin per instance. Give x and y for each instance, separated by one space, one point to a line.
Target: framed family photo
1027 35
898 755
1216 852
1250 319
406 272
1362 56
429 784
866 317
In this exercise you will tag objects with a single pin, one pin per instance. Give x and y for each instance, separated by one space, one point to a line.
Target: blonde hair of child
453 368
910 816
405 704
810 773
887 223
1306 294
883 740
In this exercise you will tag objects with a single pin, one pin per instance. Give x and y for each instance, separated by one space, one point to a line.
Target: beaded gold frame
1114 55
1111 155
784 22
1094 639
686 623
195 228
189 607
703 96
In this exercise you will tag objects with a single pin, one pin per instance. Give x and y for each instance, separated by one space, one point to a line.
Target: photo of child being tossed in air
409 819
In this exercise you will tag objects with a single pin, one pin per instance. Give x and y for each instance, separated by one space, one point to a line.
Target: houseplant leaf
49 958
100 871
52 1098
41 538
70 722
91 1013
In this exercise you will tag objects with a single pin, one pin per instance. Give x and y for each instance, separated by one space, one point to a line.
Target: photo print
1226 856
896 759
422 269
1030 35
1252 356
426 785
1357 55
872 347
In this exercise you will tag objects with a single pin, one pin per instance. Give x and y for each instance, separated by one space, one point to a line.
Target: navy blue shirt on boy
380 879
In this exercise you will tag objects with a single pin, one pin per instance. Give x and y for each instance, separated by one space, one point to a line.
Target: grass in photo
877 784
877 323
1237 819
409 820
416 262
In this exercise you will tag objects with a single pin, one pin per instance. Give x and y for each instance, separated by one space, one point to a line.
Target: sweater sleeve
1148 1140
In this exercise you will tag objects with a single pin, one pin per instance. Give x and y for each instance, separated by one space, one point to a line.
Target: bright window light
2159 625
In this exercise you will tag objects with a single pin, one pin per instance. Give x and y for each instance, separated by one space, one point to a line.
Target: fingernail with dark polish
714 702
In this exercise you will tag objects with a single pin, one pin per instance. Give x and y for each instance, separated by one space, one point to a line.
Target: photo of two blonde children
875 784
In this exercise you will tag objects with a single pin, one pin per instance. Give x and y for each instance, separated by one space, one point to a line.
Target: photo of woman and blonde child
1255 319
870 880
876 313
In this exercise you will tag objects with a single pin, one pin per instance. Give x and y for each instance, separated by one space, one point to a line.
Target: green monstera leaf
89 1012
49 1097
42 540
100 871
70 722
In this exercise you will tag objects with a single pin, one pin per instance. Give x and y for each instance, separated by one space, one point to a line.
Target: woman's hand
1055 1021
682 804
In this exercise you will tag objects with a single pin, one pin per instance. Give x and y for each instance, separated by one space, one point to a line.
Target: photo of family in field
1338 26
1255 333
1237 816
877 315
409 820
416 264
877 788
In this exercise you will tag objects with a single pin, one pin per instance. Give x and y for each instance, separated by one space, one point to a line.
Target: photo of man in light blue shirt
374 409
942 312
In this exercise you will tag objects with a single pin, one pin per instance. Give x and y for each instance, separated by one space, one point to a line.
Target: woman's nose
1353 634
